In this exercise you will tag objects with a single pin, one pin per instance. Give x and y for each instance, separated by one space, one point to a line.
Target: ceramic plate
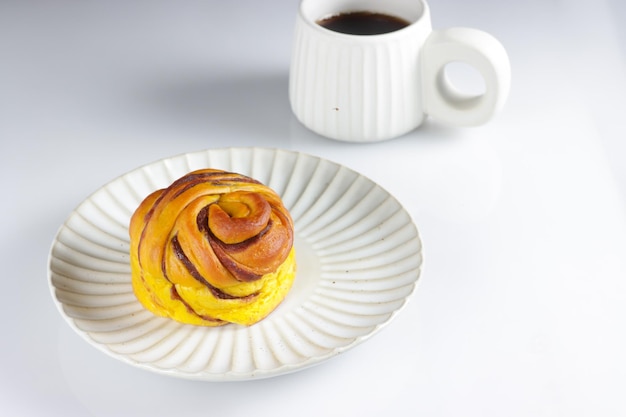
358 256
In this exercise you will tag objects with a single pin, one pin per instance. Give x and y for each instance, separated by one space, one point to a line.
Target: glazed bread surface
213 248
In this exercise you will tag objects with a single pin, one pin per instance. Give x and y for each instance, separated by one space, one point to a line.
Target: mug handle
477 49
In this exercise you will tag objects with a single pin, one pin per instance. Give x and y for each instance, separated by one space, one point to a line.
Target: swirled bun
213 248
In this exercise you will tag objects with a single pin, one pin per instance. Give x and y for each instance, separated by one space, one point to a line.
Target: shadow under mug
367 88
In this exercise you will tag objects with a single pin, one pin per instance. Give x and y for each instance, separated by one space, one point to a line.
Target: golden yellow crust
212 248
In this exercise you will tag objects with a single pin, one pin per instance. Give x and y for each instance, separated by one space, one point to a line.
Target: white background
521 306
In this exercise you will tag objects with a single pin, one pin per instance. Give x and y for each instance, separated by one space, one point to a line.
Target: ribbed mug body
361 88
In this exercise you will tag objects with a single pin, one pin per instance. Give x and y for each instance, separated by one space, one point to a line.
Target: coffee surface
363 23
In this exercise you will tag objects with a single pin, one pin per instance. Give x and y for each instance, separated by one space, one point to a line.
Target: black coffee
363 23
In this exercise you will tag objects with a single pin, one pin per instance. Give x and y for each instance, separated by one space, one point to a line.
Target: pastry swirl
214 247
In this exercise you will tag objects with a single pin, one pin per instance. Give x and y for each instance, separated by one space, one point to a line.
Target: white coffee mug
367 88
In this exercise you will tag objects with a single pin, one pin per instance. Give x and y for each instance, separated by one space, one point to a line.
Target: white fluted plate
357 249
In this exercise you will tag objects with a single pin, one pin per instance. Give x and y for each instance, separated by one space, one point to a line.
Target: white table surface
521 306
